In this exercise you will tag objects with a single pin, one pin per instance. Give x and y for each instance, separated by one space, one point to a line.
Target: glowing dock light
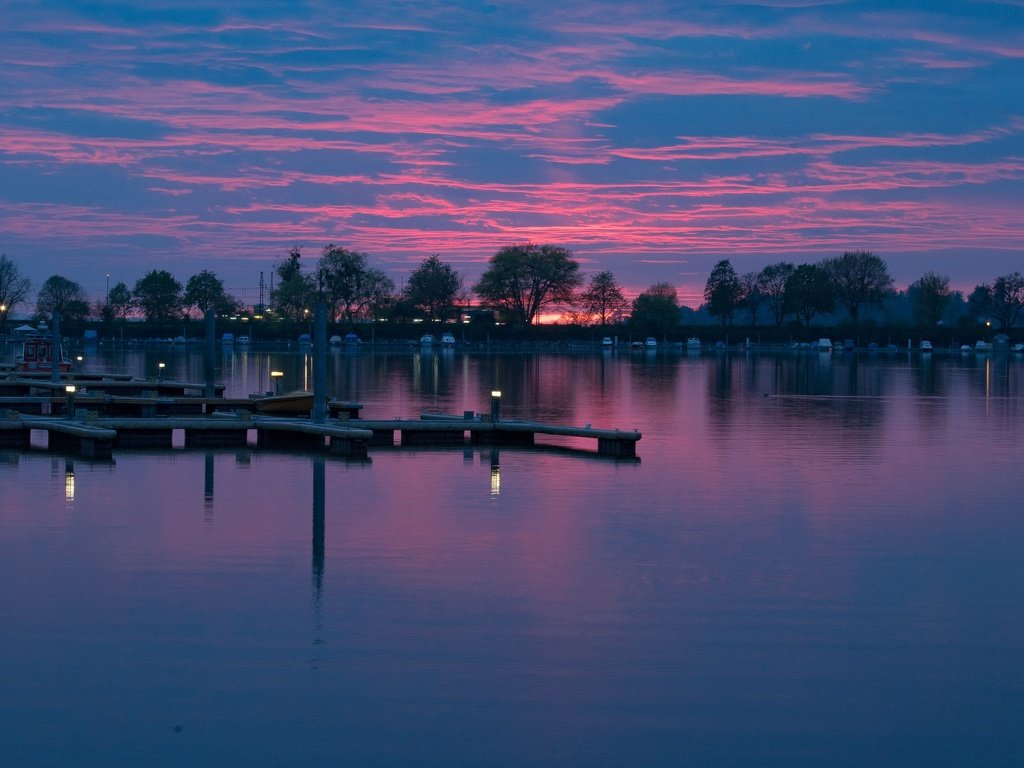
69 400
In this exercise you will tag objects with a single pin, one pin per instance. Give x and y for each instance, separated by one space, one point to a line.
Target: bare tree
930 297
63 297
603 299
13 289
858 278
772 284
1003 300
750 294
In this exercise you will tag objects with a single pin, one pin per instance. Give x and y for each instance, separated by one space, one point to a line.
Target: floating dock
96 436
106 411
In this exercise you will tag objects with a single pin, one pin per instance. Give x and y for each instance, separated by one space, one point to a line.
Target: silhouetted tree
205 292
750 295
1008 299
603 299
433 288
858 278
349 285
294 291
809 292
929 297
120 302
772 284
13 289
722 291
158 296
656 310
61 296
525 279
1001 301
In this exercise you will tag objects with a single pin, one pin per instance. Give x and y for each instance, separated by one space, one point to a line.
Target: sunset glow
650 141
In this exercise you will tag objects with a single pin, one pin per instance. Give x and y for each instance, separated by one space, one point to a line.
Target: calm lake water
816 561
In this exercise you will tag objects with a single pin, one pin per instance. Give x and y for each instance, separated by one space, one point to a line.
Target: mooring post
319 414
69 401
55 355
210 359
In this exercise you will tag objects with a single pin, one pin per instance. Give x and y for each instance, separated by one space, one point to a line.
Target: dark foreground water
817 561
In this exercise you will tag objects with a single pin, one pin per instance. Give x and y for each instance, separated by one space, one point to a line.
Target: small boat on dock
37 356
288 404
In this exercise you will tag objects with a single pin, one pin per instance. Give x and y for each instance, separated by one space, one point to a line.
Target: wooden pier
23 384
108 412
97 436
439 429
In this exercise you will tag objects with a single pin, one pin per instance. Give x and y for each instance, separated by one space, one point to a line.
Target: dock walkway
434 429
97 437
95 422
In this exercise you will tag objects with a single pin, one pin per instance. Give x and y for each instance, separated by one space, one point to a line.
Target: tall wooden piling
210 375
319 413
55 356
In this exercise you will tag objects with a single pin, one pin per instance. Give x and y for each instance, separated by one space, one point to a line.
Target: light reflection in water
495 473
69 481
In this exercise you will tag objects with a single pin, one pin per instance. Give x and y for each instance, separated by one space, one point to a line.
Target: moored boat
299 402
37 356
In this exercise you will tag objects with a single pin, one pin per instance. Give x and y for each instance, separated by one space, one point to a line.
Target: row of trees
853 281
521 280
524 282
157 296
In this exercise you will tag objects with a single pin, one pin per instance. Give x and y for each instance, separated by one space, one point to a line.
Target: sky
652 139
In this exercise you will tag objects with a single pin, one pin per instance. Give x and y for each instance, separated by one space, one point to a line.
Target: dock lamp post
160 371
275 376
495 405
69 400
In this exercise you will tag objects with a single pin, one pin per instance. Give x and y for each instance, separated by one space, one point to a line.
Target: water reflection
495 472
811 549
208 477
319 528
69 481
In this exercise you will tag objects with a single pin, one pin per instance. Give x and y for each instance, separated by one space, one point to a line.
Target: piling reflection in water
319 526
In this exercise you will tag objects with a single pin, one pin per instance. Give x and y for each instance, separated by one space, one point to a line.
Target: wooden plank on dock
68 427
67 434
